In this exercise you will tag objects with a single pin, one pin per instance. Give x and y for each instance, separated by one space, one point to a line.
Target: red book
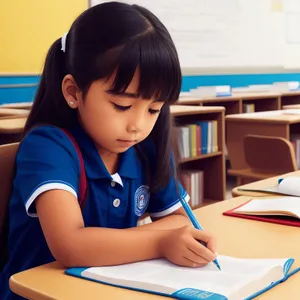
198 140
286 219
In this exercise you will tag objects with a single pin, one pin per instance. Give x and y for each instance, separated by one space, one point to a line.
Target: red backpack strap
82 179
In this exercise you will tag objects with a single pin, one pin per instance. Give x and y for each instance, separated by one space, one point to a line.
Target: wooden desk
261 184
236 237
198 99
13 112
22 105
12 125
294 106
233 104
273 123
290 98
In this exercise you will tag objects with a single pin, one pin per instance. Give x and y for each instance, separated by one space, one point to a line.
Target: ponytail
49 106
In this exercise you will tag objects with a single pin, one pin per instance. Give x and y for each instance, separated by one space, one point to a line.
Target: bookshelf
264 101
211 164
290 98
232 104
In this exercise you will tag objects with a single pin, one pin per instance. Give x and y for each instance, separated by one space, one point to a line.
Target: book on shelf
280 210
193 182
197 139
248 108
239 278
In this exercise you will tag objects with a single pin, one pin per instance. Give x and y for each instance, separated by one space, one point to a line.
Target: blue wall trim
19 79
236 80
26 94
15 95
18 94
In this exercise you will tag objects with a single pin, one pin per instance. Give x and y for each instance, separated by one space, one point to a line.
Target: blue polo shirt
48 160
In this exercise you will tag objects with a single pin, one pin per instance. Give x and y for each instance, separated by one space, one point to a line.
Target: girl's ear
71 91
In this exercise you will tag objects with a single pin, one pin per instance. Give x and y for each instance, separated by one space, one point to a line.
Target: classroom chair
7 161
11 129
266 156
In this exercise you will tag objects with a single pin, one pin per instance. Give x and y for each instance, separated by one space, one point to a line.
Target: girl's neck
110 160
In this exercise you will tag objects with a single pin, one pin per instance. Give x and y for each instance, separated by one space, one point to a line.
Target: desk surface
257 95
13 112
261 184
194 99
291 106
180 110
235 237
275 116
198 99
13 125
290 93
22 105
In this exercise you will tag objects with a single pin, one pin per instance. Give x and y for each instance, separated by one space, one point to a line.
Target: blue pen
195 223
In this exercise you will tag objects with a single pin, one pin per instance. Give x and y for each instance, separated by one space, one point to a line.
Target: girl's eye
120 107
154 111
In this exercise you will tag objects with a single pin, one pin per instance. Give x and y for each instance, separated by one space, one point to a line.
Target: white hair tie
63 42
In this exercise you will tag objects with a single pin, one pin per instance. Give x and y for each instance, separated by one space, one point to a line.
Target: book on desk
279 210
289 186
239 278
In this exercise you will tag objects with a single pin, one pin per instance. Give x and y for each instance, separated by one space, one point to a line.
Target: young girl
110 82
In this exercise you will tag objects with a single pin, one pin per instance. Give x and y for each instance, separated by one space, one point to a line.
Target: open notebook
286 186
281 210
239 278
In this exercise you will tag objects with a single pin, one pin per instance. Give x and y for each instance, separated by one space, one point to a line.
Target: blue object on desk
195 223
223 94
280 179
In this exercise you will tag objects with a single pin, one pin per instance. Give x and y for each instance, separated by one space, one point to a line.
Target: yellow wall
29 27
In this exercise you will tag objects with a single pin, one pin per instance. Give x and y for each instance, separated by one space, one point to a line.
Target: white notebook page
235 273
290 204
290 186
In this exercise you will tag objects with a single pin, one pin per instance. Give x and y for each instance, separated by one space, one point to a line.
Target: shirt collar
128 164
94 166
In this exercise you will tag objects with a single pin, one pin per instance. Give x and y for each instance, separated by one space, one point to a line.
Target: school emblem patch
141 200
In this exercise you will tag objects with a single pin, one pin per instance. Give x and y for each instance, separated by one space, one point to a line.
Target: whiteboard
229 34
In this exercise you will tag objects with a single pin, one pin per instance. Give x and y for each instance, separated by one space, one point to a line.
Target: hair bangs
154 59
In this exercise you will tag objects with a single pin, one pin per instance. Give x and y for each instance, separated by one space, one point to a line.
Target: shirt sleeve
46 160
167 200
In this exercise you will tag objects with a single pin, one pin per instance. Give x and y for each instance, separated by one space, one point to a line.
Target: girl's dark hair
114 39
